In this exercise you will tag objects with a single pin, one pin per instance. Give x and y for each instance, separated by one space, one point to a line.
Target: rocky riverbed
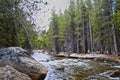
60 68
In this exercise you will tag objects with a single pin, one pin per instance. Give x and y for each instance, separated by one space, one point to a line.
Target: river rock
97 77
115 74
59 67
9 73
23 62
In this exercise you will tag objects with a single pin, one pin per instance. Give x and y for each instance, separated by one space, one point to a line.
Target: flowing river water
60 68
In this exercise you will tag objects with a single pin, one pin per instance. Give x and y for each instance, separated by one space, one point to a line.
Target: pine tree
72 26
54 25
15 30
116 21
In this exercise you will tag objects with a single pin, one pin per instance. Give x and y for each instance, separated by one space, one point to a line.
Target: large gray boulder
23 62
9 73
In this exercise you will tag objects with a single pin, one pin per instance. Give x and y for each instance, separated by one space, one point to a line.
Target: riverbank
109 57
91 56
66 68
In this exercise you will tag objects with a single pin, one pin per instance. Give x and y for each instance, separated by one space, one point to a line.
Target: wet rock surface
59 67
78 69
19 59
115 74
97 78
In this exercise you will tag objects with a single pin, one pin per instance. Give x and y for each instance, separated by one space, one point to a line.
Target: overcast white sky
43 16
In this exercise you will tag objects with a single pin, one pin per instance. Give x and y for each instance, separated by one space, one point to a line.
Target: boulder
9 73
23 62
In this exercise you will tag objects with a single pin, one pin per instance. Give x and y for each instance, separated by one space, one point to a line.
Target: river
60 68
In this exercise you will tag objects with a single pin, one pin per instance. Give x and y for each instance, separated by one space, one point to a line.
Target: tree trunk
67 40
85 45
55 45
78 40
101 47
13 37
78 46
114 39
90 49
72 38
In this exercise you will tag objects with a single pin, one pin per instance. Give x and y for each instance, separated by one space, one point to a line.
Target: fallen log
91 56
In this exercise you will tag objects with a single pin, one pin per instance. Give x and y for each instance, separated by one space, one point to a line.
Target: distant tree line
86 26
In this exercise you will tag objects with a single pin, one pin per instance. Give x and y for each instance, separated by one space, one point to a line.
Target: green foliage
116 16
116 21
15 30
43 42
87 25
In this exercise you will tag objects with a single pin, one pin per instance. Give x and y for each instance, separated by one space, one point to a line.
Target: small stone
59 67
115 74
98 77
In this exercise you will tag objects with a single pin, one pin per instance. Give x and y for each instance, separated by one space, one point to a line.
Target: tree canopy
87 26
15 29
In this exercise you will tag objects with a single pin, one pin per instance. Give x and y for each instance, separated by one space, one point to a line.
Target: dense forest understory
86 26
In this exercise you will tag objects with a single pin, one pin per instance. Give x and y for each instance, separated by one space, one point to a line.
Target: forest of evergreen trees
86 26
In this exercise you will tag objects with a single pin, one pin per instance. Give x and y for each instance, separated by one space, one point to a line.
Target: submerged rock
59 67
23 62
115 74
64 68
97 78
9 73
